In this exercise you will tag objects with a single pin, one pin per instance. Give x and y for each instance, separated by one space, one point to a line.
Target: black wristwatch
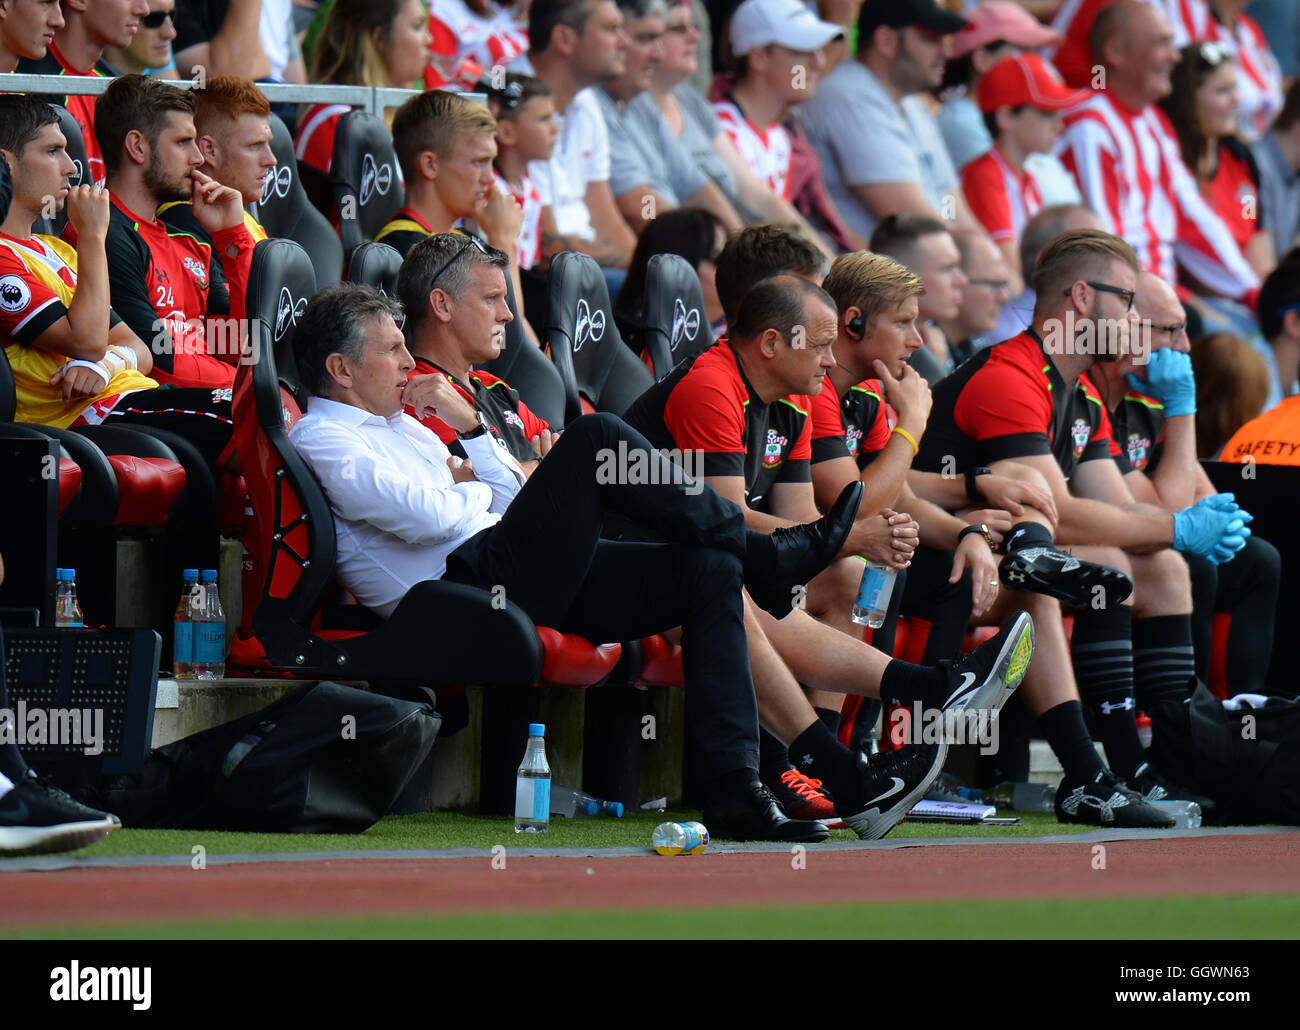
478 431
973 491
982 530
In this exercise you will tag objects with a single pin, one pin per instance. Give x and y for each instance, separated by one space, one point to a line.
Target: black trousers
1246 588
548 554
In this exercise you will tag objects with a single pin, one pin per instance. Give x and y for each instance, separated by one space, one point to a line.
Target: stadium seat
364 178
526 369
674 325
377 265
440 634
285 211
53 226
599 372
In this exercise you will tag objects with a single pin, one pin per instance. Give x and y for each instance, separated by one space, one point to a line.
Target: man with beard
182 295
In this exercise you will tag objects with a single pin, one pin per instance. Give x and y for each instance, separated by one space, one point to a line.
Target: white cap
759 23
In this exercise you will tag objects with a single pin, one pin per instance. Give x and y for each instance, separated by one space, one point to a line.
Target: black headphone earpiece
856 327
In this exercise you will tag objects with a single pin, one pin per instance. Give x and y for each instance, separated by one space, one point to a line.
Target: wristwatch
478 431
982 530
973 491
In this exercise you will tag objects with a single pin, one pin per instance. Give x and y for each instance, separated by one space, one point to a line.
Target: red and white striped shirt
767 152
1001 198
460 34
1131 173
316 127
529 198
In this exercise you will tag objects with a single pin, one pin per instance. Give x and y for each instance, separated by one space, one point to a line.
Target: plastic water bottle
209 662
873 595
533 785
183 626
574 804
680 838
67 612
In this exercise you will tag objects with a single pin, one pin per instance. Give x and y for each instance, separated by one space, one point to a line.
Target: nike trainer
983 679
892 782
37 818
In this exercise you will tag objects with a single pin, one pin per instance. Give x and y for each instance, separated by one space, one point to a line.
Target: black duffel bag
323 759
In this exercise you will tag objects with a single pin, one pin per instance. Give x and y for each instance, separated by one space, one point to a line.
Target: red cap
1027 79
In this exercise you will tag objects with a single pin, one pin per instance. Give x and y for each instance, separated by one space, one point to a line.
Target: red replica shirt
1234 191
1001 198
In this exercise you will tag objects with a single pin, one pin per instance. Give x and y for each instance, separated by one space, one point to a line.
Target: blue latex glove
1170 381
1214 527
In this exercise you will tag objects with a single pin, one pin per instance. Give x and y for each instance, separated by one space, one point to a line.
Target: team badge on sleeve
15 294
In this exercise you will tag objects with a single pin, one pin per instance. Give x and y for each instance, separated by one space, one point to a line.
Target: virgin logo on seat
80 177
277 182
287 312
374 177
685 323
588 325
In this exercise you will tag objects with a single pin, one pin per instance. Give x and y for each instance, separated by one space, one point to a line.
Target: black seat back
675 326
364 177
585 345
280 282
377 265
286 212
52 225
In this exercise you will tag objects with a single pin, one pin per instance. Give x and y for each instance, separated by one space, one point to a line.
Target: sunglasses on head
154 19
470 241
508 96
1214 54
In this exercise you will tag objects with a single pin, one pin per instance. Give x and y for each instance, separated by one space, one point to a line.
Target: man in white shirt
406 511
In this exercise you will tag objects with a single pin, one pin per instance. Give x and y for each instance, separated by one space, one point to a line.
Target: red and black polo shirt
509 419
855 426
1009 401
1138 424
708 405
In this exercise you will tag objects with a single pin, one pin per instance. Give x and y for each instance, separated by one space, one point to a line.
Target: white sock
6 785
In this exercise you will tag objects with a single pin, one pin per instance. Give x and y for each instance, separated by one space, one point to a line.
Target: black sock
1102 653
773 758
1164 664
904 684
817 753
1026 534
1065 730
830 717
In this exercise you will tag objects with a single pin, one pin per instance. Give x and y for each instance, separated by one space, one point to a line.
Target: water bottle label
183 647
533 798
209 642
542 799
873 581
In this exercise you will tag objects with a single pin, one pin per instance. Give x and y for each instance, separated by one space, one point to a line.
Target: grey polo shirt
1279 192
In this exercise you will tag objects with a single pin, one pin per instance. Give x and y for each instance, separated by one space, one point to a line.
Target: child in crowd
526 131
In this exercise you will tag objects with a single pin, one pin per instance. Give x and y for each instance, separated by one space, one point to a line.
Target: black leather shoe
799 553
752 814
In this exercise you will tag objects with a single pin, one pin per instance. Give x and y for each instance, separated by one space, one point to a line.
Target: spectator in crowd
1039 231
1232 384
1075 58
881 150
1279 336
758 252
222 37
1152 408
234 137
649 175
471 38
925 246
1128 163
363 43
90 26
1202 108
987 291
1002 406
182 293
1277 156
679 112
74 361
1021 100
577 44
150 52
1272 438
526 132
695 235
27 28
1259 82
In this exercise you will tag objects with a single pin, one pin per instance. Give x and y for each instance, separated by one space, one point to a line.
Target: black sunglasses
1128 295
470 241
154 19
508 96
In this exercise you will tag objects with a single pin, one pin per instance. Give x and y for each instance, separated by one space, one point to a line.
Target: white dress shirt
398 512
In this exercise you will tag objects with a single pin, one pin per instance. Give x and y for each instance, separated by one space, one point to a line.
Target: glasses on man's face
154 19
1171 331
470 241
1119 291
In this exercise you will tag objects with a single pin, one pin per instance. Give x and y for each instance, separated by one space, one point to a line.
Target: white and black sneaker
37 818
1108 801
983 679
1079 583
892 782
